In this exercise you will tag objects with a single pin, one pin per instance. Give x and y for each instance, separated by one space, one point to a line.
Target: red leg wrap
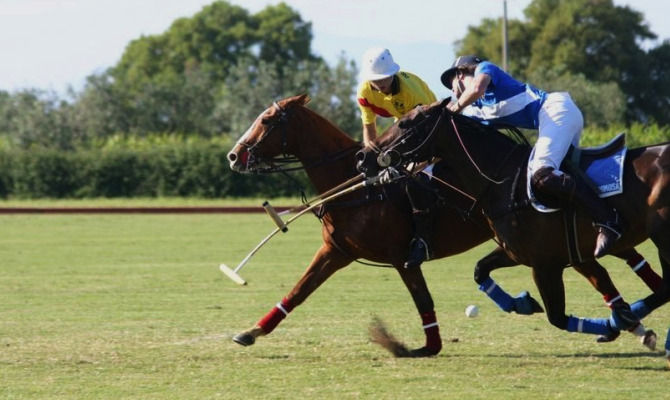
642 268
432 330
270 321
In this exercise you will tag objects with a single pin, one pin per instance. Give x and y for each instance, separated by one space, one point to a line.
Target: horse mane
333 130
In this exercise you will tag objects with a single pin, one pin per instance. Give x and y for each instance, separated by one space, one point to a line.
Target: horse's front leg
416 284
524 303
549 281
326 261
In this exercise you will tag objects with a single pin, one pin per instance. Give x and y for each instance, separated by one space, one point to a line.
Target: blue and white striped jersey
506 100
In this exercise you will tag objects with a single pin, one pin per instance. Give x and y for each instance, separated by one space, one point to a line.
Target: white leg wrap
639 331
281 308
430 325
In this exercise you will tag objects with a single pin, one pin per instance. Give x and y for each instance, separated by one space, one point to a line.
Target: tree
174 81
485 40
282 35
33 117
590 38
603 104
251 87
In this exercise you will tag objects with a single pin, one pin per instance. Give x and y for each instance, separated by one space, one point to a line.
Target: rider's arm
369 133
474 90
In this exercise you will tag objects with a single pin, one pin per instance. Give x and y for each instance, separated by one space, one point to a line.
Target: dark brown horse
359 226
492 165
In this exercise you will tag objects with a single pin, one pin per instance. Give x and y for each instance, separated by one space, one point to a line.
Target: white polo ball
471 311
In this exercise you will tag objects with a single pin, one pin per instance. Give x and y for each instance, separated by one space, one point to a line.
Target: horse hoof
649 340
244 339
423 352
525 304
608 338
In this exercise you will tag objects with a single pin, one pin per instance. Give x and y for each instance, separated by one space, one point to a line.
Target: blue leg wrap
667 343
497 294
596 326
640 309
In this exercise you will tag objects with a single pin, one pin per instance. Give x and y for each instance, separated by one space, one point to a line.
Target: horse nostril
232 157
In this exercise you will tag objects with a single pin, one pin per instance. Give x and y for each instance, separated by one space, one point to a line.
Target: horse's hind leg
660 235
641 267
326 261
498 258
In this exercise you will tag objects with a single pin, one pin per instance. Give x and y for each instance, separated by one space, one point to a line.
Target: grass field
109 307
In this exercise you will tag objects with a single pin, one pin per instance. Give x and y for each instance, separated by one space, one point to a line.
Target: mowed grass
134 307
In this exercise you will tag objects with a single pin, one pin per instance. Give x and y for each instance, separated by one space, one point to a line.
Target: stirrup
418 253
608 234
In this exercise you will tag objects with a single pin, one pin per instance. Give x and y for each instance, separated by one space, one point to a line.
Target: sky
56 44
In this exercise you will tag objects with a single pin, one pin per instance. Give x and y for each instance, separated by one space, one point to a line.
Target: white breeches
561 125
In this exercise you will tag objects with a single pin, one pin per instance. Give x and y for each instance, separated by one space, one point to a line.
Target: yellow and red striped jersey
408 91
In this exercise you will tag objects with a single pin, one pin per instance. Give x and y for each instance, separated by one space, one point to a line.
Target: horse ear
303 99
300 100
444 102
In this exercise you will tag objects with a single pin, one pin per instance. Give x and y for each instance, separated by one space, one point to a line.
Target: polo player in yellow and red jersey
386 91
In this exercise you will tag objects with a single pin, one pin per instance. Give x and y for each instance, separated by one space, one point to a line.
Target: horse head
411 139
267 143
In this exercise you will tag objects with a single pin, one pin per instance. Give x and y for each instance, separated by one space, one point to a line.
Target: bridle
385 156
275 163
411 154
284 162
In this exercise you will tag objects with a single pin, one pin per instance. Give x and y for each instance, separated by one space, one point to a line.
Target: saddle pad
606 175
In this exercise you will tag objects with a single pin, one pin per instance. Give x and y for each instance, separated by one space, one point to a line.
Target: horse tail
380 335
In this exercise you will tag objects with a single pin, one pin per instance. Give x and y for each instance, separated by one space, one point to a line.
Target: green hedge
636 135
197 169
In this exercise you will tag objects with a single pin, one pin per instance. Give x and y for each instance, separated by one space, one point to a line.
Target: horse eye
265 121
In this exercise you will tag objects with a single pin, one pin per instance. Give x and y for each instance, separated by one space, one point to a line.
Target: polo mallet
282 226
328 192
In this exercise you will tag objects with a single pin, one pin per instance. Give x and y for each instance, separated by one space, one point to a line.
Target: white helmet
378 64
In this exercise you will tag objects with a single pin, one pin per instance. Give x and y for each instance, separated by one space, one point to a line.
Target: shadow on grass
547 355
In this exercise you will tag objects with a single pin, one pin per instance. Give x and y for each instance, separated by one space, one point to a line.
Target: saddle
600 167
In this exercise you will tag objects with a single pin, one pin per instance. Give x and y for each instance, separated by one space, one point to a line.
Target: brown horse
492 165
360 225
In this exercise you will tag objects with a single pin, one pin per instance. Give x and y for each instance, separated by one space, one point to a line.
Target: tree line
209 75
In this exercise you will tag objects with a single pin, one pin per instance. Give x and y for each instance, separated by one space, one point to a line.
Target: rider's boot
420 244
563 186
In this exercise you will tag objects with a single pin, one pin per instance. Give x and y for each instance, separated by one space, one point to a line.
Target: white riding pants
561 125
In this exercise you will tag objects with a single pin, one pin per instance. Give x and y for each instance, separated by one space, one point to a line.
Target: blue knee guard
596 326
497 294
640 309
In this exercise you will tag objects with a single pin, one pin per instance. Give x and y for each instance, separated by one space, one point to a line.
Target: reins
403 138
472 161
